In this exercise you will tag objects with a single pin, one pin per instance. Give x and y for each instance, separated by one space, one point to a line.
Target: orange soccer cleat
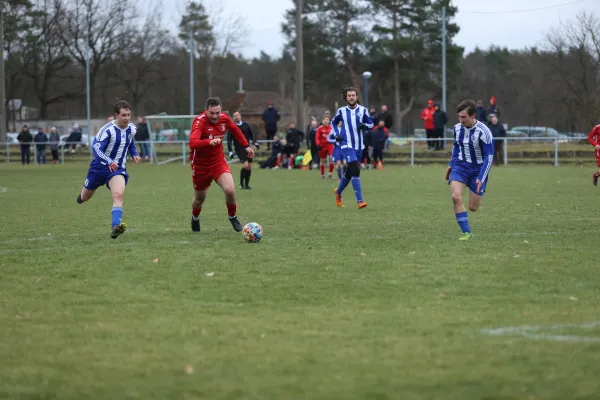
361 205
338 198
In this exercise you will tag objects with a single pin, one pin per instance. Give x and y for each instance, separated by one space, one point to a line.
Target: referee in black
240 151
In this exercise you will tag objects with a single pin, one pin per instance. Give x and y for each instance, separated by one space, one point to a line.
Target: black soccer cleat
79 199
118 230
236 224
195 225
248 188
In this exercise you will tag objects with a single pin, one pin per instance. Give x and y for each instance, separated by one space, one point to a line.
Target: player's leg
353 172
93 180
331 165
322 159
247 168
225 181
597 174
474 201
197 202
117 184
462 217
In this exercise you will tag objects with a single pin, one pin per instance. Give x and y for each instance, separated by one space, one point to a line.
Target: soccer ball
252 232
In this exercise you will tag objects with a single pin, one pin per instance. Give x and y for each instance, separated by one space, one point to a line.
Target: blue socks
463 221
339 171
343 184
357 188
117 215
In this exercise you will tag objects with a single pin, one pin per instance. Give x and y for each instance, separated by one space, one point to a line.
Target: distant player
594 139
472 157
111 145
355 119
324 148
246 161
338 159
208 161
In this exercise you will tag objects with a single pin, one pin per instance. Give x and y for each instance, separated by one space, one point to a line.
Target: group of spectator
491 117
41 141
434 122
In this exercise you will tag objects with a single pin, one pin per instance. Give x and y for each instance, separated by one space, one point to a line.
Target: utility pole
191 72
299 67
4 8
444 33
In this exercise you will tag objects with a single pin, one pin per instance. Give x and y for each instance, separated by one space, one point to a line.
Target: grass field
380 303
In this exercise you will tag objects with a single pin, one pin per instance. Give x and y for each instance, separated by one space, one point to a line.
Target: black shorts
242 155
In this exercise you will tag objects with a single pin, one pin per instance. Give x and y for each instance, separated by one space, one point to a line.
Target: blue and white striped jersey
474 146
351 118
113 144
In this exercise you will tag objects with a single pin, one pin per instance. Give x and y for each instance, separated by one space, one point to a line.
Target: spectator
74 138
142 137
379 135
365 161
440 119
492 110
293 138
311 141
386 116
481 112
427 117
41 141
54 140
270 117
275 160
374 116
25 140
499 134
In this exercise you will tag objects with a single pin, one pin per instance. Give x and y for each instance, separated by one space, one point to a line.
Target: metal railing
410 151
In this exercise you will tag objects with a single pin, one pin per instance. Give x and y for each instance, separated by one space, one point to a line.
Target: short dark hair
121 104
212 102
468 105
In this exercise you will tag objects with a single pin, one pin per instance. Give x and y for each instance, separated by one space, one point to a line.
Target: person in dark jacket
480 113
41 141
293 138
499 134
365 160
440 119
276 151
54 140
379 136
270 117
386 116
74 137
492 110
142 137
25 140
240 151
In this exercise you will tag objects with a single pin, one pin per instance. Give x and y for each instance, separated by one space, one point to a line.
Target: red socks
196 211
330 168
231 209
323 170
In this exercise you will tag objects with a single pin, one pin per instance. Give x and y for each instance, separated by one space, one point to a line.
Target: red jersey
203 131
427 117
594 136
322 134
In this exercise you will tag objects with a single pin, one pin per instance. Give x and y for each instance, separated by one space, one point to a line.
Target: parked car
85 141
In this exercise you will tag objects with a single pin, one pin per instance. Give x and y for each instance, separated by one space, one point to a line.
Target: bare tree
575 48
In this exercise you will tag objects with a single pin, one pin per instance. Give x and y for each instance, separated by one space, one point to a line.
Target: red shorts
202 176
598 157
325 151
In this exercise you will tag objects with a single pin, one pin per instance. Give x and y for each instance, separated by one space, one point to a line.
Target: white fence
409 151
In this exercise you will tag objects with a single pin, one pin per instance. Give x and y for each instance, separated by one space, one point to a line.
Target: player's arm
593 135
132 150
251 134
196 134
367 121
334 123
487 151
331 137
99 145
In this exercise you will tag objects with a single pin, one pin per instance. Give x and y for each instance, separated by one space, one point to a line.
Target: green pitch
380 303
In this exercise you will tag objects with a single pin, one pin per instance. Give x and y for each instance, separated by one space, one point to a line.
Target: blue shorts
337 154
351 154
97 177
467 174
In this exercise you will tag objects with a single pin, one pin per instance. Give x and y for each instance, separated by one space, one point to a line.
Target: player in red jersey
594 139
208 159
324 147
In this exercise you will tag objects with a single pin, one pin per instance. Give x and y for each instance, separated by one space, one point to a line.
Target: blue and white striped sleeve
454 149
331 137
335 121
487 153
100 144
367 119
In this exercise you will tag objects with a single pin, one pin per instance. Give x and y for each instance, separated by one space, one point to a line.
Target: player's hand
215 142
231 155
250 152
362 126
113 167
598 147
338 138
448 170
136 159
479 183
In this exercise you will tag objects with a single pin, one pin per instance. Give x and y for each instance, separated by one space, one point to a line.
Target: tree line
133 55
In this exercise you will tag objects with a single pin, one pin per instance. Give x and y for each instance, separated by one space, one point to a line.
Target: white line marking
531 332
3 189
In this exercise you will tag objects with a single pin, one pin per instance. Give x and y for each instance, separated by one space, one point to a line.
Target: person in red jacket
594 139
427 117
324 147
208 159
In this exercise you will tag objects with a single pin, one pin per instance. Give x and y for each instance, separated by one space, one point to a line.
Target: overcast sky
511 23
